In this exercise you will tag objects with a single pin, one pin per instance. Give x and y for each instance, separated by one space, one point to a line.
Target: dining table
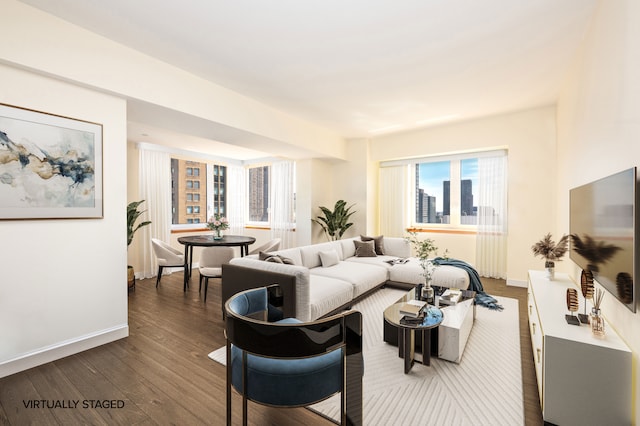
209 240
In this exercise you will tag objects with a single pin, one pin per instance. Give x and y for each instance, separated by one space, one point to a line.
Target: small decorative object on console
586 285
572 306
597 321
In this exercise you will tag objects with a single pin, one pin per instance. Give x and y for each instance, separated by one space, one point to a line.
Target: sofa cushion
444 275
299 272
397 247
381 261
329 258
348 248
378 243
327 294
270 257
365 248
362 277
311 254
291 253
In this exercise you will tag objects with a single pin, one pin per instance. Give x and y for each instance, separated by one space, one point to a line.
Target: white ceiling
359 67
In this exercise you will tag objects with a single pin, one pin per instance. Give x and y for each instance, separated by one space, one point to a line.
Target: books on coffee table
451 296
413 308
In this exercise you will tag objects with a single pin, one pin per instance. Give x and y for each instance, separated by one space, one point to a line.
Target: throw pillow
365 248
377 241
329 258
274 258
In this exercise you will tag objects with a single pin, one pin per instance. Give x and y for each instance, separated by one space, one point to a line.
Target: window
444 192
259 194
433 192
194 197
468 183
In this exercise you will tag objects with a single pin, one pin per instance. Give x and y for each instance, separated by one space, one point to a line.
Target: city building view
433 191
259 194
194 187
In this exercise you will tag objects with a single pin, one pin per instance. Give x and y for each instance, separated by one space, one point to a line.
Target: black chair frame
300 340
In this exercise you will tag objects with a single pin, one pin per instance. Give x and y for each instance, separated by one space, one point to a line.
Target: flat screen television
602 217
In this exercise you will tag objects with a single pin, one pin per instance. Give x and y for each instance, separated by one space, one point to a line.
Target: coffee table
449 339
406 332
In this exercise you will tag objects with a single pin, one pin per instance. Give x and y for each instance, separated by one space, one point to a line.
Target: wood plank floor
161 374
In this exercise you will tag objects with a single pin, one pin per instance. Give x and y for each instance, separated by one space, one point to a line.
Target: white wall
530 137
599 130
63 287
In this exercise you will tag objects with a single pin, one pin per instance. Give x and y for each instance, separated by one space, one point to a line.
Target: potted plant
424 248
132 216
336 222
550 251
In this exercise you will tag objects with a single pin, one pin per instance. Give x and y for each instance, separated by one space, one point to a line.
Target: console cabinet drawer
536 341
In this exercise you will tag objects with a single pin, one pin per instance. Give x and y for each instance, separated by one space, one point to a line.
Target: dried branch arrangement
597 298
548 248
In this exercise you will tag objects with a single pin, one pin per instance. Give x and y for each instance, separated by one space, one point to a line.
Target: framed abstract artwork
50 166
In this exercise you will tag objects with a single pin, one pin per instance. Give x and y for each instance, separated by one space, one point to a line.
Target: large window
258 194
444 192
195 196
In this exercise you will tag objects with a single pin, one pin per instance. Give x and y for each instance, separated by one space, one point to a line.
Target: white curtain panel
236 199
155 189
394 200
491 243
281 202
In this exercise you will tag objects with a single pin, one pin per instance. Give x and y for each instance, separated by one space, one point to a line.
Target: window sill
456 231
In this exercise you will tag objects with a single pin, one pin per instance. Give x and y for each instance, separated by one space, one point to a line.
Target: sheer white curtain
236 199
491 243
281 201
394 200
155 189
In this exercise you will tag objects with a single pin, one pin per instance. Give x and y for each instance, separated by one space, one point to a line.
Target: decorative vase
550 270
427 292
597 322
216 235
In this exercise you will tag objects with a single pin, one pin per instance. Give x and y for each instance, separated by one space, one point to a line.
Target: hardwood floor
161 374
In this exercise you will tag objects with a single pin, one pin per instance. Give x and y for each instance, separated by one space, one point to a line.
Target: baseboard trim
518 283
62 349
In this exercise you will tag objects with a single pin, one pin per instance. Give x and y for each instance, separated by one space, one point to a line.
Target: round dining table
204 240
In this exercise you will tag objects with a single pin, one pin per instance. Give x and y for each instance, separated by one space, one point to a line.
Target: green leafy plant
424 248
132 216
336 222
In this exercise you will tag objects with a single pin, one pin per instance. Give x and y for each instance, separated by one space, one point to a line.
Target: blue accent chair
289 363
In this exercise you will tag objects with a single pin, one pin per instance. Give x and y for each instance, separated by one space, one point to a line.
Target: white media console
582 379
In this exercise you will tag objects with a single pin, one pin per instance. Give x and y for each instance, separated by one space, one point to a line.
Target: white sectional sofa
329 277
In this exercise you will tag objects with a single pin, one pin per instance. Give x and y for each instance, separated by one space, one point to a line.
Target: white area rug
484 389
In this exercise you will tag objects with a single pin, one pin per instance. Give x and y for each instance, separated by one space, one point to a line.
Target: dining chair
289 363
167 256
267 247
210 265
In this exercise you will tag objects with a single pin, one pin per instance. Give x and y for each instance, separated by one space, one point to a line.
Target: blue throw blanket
482 298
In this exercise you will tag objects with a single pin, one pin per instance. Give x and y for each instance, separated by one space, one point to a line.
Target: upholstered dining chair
271 245
289 363
167 257
210 264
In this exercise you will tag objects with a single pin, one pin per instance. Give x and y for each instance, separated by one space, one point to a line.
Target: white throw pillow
329 258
